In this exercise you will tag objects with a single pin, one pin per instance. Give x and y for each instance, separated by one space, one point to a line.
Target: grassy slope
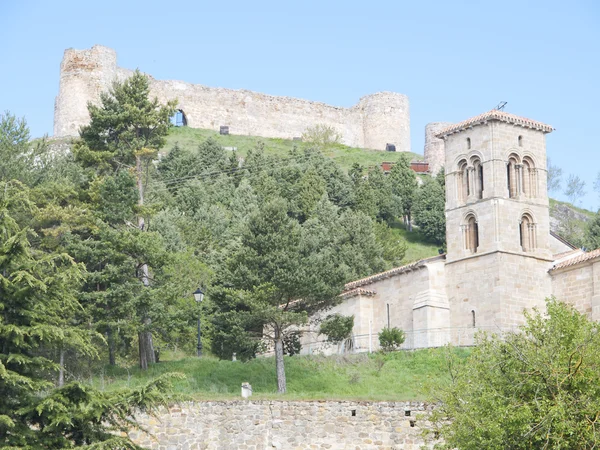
397 376
344 156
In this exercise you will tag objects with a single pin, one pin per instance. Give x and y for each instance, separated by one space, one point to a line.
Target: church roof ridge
349 287
495 114
357 291
585 257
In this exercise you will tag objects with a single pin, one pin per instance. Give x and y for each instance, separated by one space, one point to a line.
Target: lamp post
199 296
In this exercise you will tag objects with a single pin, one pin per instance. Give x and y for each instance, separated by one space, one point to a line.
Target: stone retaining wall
258 425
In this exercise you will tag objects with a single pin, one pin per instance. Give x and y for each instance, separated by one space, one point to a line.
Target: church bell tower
497 219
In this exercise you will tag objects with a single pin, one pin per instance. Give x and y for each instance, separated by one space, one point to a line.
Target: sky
453 59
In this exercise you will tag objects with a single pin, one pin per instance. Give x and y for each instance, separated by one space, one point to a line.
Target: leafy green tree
428 211
575 189
592 233
554 177
337 327
321 135
535 388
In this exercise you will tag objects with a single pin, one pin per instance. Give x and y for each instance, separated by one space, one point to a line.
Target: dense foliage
535 388
101 249
337 327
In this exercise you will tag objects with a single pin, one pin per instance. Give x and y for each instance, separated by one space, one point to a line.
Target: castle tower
386 120
434 146
497 219
84 74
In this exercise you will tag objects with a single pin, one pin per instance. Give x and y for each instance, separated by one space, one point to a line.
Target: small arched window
527 233
520 141
512 176
478 178
468 143
463 181
473 318
471 234
529 175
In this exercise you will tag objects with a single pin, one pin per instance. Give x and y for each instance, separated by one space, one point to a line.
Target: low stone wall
258 425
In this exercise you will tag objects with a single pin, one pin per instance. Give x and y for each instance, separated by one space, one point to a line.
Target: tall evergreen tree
428 210
403 182
126 130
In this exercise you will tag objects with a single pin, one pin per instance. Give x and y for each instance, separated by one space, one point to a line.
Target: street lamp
199 296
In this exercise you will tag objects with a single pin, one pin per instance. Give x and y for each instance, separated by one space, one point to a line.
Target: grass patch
189 138
376 377
418 245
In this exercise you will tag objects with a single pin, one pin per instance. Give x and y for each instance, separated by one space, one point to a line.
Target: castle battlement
376 120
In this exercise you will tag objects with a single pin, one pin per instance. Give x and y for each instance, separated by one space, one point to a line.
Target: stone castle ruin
375 121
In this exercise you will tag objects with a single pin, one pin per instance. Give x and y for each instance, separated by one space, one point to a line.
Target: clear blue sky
454 59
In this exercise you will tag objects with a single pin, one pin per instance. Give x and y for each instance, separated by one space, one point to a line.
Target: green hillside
395 376
345 156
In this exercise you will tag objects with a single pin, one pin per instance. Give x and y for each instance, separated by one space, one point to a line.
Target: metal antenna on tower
500 106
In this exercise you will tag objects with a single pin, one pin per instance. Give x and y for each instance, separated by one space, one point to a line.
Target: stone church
501 255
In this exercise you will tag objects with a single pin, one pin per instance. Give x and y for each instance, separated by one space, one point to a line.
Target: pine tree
404 185
428 210
126 130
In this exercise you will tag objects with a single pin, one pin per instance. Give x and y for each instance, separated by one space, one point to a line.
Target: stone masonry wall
433 151
261 425
375 121
579 286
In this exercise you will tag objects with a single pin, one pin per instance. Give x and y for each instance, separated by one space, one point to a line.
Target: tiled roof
577 260
357 291
390 273
494 114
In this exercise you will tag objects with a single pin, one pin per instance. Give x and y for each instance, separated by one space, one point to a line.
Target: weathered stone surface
270 425
376 120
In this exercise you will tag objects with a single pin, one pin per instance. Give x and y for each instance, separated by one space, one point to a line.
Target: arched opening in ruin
178 119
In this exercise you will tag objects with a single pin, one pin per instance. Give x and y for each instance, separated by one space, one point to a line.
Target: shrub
321 135
390 339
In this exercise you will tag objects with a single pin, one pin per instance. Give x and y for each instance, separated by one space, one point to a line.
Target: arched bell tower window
471 234
527 233
512 175
477 177
520 141
463 186
469 143
529 175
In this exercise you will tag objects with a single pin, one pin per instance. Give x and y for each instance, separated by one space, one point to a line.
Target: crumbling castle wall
376 120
